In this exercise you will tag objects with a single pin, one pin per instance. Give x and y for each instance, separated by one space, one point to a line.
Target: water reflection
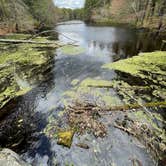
103 45
110 43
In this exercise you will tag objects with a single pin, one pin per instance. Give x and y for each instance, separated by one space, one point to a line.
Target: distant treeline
71 14
20 15
142 13
83 13
24 15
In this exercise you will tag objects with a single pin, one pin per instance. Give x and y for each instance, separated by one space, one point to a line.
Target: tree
43 11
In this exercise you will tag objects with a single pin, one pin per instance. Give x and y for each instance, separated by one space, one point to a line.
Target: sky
69 3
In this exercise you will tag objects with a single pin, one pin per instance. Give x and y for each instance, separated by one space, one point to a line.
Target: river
101 45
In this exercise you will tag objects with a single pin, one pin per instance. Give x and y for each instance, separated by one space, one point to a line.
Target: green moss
145 118
65 138
22 59
19 36
92 89
150 62
75 82
96 83
72 50
23 91
149 69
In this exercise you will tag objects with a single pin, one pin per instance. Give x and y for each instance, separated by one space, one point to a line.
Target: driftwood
27 41
43 32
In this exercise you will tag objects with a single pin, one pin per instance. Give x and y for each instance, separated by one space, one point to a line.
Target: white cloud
69 3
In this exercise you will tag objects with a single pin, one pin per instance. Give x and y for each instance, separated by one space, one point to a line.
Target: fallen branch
27 41
43 32
117 88
136 106
124 107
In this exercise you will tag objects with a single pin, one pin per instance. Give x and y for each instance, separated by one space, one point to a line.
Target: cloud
69 3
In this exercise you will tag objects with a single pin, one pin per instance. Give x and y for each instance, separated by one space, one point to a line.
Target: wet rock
10 158
65 138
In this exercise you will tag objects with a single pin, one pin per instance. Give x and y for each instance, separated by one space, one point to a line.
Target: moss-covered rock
65 138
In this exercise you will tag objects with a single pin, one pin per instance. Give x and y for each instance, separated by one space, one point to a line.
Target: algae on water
154 62
72 50
20 61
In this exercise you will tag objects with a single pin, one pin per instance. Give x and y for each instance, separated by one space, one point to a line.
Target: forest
82 83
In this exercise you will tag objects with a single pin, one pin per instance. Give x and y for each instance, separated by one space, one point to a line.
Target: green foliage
71 14
14 15
92 4
43 11
20 15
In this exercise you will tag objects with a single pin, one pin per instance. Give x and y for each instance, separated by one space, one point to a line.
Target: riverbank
147 15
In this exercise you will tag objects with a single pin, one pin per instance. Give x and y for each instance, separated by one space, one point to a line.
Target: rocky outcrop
10 158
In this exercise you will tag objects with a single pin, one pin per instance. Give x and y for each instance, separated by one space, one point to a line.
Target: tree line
19 15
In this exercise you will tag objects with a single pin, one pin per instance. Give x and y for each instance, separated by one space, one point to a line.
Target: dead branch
43 32
28 41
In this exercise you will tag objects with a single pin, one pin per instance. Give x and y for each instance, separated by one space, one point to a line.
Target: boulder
10 158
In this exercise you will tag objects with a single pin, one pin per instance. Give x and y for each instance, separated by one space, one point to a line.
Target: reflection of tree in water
140 43
102 46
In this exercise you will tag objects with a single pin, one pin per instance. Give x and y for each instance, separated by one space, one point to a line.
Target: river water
102 45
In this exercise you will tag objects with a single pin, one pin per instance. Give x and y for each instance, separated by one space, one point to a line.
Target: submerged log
137 106
89 107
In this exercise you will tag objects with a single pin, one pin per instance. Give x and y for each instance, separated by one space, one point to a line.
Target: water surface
102 45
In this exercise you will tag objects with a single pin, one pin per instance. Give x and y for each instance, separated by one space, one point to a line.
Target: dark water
102 45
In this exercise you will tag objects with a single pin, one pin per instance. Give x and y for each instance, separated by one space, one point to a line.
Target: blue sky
69 3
